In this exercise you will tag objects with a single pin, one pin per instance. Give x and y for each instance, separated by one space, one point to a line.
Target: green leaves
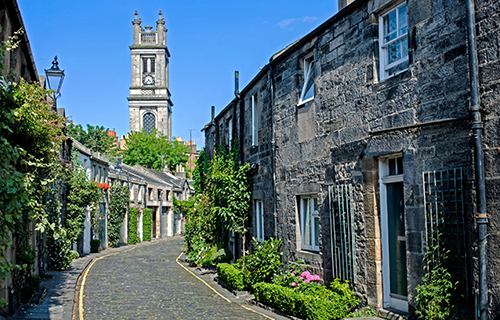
95 137
119 201
145 149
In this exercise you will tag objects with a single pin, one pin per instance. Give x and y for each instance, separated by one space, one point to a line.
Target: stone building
19 64
149 101
369 137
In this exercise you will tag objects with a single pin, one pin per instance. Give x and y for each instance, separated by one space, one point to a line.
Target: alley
146 282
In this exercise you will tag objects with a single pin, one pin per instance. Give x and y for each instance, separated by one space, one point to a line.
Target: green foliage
363 313
74 255
317 305
232 275
264 263
222 202
95 137
145 149
185 206
147 224
94 245
118 204
82 194
133 217
30 141
200 173
436 293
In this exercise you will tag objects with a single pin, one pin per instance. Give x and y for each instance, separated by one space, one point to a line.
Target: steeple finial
160 19
136 21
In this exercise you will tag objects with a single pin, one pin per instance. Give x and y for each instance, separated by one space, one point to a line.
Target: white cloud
289 23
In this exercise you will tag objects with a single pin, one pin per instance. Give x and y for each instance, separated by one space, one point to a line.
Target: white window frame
255 124
308 67
259 220
307 202
229 131
384 66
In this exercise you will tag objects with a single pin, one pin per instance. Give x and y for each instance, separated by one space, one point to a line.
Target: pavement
143 281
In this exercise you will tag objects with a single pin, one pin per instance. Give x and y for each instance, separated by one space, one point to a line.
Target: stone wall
357 122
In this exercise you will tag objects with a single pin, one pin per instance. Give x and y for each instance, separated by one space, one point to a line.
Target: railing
342 229
445 219
148 38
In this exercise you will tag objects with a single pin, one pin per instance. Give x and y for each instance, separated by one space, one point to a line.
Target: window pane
390 26
309 89
152 65
307 222
144 65
400 67
404 44
402 20
148 122
393 52
316 231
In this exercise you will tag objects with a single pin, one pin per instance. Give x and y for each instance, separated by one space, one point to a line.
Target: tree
95 138
146 148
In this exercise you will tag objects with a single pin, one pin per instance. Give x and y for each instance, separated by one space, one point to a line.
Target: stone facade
150 103
377 152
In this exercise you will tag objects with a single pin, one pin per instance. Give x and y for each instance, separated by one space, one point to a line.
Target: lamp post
55 77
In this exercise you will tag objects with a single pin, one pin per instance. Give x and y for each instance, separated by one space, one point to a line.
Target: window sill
303 103
309 255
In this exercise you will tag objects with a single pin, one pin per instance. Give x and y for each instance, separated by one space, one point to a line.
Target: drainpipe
477 127
235 104
273 146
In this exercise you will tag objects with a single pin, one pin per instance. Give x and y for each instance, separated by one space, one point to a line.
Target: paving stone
147 283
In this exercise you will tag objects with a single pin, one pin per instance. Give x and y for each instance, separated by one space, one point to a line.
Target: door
397 241
393 234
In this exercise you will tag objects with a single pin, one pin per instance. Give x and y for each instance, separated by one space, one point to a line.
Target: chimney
344 3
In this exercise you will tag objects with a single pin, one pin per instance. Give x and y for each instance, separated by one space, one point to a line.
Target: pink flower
140 210
297 289
307 280
305 274
294 284
315 278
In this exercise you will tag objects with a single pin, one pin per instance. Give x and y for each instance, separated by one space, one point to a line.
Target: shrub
264 263
74 255
94 245
119 202
319 304
147 224
222 255
133 238
232 275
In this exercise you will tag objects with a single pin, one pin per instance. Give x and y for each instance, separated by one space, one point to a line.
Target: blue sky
208 41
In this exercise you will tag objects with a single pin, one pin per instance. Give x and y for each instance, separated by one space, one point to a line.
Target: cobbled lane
147 283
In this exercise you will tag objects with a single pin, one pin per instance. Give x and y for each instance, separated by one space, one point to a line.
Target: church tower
150 104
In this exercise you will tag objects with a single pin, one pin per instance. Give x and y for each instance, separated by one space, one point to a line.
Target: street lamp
55 77
162 156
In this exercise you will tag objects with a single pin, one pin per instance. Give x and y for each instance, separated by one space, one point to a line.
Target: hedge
299 304
133 238
231 275
147 224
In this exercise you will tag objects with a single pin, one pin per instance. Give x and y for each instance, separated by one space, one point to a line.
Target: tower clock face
148 80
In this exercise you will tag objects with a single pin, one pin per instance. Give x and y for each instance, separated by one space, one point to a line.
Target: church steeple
149 101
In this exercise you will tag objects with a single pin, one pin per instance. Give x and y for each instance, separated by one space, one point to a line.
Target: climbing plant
133 218
118 204
147 224
30 141
223 199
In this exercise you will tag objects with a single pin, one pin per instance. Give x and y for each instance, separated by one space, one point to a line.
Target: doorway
393 233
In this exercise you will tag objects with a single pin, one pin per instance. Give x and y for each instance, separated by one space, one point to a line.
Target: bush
232 275
147 224
264 263
74 255
319 304
133 238
94 245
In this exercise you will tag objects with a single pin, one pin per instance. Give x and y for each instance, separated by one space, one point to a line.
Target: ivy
30 141
118 204
223 199
133 217
147 224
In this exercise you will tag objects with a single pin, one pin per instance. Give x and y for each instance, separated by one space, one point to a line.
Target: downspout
477 127
273 146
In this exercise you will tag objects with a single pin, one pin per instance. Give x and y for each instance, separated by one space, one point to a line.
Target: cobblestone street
146 282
